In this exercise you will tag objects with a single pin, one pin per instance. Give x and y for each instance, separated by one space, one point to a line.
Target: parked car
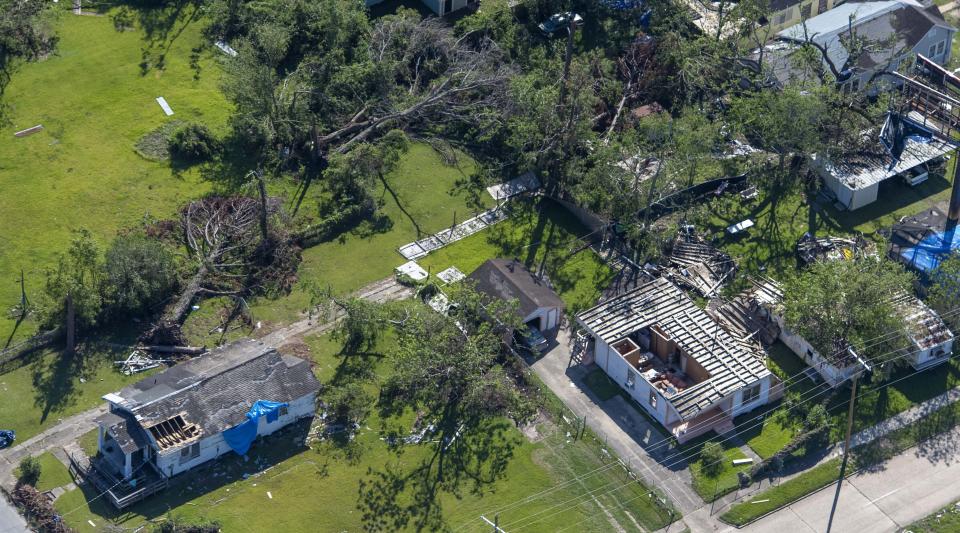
530 339
7 436
558 22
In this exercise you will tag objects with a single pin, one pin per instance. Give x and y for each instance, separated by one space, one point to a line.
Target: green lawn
541 234
88 442
51 386
781 216
325 488
784 493
712 487
776 426
427 196
81 170
52 472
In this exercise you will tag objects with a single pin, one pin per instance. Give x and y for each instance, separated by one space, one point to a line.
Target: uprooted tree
223 236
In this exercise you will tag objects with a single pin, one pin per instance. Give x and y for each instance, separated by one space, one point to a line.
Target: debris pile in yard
38 510
698 265
137 362
811 249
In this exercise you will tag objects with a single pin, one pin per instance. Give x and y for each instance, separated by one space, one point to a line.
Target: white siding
214 446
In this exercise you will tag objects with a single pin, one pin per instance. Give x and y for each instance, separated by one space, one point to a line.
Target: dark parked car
559 22
530 339
7 436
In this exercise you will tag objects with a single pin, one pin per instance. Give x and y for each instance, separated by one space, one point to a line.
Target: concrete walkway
905 418
627 432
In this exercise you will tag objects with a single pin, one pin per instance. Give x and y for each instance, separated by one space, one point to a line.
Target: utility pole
846 440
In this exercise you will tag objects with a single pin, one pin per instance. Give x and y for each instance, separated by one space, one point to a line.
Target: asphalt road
903 490
10 519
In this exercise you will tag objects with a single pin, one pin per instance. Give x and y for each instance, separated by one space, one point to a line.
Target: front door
447 6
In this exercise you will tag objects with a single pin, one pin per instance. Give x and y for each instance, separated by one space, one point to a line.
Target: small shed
509 279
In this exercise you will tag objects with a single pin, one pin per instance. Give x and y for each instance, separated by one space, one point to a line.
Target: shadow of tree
55 378
397 498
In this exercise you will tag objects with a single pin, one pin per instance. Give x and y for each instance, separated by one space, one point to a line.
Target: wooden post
71 326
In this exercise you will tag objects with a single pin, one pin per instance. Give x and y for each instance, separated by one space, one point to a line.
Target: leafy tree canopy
839 303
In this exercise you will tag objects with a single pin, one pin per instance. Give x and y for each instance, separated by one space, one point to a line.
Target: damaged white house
930 341
686 370
171 422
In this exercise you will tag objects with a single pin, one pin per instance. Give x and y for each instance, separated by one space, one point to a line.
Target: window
284 410
941 46
805 10
750 395
781 18
631 379
822 6
932 51
653 399
188 453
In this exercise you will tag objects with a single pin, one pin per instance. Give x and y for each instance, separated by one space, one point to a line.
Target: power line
715 462
871 342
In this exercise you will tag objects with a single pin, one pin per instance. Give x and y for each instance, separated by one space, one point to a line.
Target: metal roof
924 326
731 362
860 172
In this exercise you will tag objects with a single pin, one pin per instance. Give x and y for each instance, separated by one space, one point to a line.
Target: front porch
713 419
104 473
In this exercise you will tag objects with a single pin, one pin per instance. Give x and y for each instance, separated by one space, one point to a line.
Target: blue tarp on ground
241 436
928 253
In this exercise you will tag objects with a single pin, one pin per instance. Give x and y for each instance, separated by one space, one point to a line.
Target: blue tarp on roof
241 436
928 253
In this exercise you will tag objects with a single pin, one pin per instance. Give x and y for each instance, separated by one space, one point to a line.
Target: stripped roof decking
924 325
732 364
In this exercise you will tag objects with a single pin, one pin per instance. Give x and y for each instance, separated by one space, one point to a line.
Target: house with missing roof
508 279
672 358
930 340
196 411
890 31
857 180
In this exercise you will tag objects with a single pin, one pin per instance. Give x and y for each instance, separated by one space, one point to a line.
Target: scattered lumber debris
28 131
698 265
744 316
138 362
811 249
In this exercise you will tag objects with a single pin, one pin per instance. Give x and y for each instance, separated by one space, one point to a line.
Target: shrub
348 403
140 273
194 143
711 459
29 471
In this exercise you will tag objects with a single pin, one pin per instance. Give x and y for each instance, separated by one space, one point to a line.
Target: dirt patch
297 348
533 430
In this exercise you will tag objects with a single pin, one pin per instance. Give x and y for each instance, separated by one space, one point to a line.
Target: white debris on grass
226 48
412 269
269 495
28 131
164 105
451 275
91 523
503 191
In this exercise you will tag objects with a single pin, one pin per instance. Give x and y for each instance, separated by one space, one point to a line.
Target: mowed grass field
422 192
94 102
327 486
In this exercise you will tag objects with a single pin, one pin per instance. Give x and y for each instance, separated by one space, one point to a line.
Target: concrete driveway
632 436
